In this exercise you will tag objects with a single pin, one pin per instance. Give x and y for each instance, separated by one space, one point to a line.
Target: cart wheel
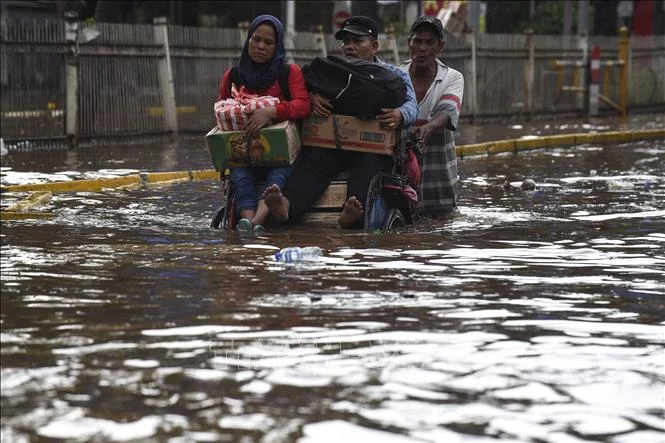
394 221
218 218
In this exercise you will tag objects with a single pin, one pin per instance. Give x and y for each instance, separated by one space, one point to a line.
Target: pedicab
389 205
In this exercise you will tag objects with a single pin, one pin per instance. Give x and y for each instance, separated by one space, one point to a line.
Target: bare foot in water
351 212
277 204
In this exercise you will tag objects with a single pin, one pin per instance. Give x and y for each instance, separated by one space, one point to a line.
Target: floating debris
34 199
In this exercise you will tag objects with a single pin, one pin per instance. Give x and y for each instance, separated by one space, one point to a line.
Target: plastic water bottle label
297 254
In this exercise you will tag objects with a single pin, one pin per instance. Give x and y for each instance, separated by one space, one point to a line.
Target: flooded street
531 316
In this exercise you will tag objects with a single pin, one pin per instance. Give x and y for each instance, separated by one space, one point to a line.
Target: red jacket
295 109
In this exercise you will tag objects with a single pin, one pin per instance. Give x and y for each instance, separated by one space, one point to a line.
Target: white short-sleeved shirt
437 192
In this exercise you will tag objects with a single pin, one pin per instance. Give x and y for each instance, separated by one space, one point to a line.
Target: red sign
595 64
432 7
340 16
643 17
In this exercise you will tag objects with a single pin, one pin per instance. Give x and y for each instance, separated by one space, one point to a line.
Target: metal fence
121 87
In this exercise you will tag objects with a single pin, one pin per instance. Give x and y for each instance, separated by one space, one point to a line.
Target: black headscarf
262 75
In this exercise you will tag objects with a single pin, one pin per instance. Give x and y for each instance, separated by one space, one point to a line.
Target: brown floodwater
530 316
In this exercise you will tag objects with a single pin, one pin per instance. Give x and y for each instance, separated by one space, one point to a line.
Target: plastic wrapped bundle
231 113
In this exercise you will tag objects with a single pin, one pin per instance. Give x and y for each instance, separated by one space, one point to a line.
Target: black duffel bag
355 86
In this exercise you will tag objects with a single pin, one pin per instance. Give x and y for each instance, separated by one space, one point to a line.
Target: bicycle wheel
218 218
394 221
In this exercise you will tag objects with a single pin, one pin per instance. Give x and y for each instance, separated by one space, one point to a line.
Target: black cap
358 25
432 22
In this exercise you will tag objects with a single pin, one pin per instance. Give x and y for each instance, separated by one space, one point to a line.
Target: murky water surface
529 317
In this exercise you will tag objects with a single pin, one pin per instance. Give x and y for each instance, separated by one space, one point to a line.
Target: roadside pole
243 29
166 88
583 45
290 31
474 78
624 58
529 73
392 43
320 40
473 31
72 77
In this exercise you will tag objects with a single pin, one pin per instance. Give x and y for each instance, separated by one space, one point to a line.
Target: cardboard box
275 145
353 133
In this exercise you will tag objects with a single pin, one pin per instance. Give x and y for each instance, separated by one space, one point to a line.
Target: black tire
218 218
395 221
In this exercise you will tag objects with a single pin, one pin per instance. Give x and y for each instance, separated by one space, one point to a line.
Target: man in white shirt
439 91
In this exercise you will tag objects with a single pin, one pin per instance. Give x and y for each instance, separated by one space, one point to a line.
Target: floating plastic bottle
297 254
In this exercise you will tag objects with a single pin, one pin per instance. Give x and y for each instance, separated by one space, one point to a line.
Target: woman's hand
259 118
321 106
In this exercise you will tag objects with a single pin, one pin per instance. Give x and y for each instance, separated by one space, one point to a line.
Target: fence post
624 48
392 42
474 78
243 29
72 76
290 47
320 40
290 31
529 73
581 73
166 88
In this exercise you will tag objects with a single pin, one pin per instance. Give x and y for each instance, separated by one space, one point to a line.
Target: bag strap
282 78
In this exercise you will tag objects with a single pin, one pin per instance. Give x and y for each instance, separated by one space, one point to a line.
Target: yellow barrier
550 141
208 174
94 185
580 68
486 148
158 110
126 181
7 215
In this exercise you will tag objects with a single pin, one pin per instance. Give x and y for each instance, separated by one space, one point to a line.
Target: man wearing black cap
439 91
316 167
359 37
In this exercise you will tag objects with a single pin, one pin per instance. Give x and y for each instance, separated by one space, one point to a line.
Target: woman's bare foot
261 214
351 212
277 204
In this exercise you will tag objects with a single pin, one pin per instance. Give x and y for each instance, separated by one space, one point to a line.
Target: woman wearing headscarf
261 62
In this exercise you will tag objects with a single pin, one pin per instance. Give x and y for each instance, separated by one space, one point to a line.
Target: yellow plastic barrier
7 215
486 148
158 110
550 141
94 185
126 181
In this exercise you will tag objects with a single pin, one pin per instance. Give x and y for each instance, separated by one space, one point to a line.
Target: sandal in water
244 225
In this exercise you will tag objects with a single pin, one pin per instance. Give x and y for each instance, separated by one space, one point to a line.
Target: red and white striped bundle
231 113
